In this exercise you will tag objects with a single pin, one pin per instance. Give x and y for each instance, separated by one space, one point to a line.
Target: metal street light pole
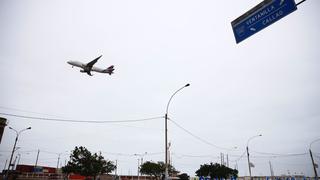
14 147
140 163
59 157
138 168
313 163
5 165
58 161
248 153
19 157
166 132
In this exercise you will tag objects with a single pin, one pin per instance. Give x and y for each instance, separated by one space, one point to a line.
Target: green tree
83 162
216 171
184 176
156 169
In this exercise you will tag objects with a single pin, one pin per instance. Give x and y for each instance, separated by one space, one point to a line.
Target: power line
274 155
200 139
21 110
194 156
131 155
242 155
79 121
271 155
155 153
50 152
280 155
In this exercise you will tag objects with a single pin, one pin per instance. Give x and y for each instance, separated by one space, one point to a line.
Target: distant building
22 168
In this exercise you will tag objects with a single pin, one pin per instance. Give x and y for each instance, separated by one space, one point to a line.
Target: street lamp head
260 134
29 128
313 142
187 85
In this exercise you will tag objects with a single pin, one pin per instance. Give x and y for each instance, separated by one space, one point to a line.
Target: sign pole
300 2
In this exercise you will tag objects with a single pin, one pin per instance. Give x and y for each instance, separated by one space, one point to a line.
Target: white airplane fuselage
87 68
83 66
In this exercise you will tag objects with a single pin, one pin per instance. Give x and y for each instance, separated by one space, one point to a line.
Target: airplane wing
90 64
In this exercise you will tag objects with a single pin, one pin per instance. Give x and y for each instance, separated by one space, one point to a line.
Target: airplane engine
82 71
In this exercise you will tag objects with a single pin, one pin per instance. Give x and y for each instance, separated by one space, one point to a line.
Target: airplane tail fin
109 70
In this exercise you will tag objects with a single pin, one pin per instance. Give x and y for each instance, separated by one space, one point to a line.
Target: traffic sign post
261 16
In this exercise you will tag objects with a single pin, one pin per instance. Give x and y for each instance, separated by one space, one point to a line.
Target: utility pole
58 162
14 162
223 163
222 159
138 168
18 160
37 158
141 162
140 156
116 167
249 163
169 155
271 170
227 160
5 164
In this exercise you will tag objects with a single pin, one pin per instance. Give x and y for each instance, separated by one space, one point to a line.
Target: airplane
87 68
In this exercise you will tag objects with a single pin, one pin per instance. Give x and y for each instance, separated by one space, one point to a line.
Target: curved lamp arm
313 142
252 138
175 94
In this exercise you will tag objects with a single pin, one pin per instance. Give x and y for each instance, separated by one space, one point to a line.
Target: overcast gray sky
267 84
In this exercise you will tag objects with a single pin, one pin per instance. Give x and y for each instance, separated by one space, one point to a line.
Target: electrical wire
197 137
317 156
280 155
131 155
194 156
79 121
155 153
273 155
50 152
242 155
25 111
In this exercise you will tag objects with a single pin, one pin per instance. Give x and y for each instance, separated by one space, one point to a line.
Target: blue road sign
261 16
